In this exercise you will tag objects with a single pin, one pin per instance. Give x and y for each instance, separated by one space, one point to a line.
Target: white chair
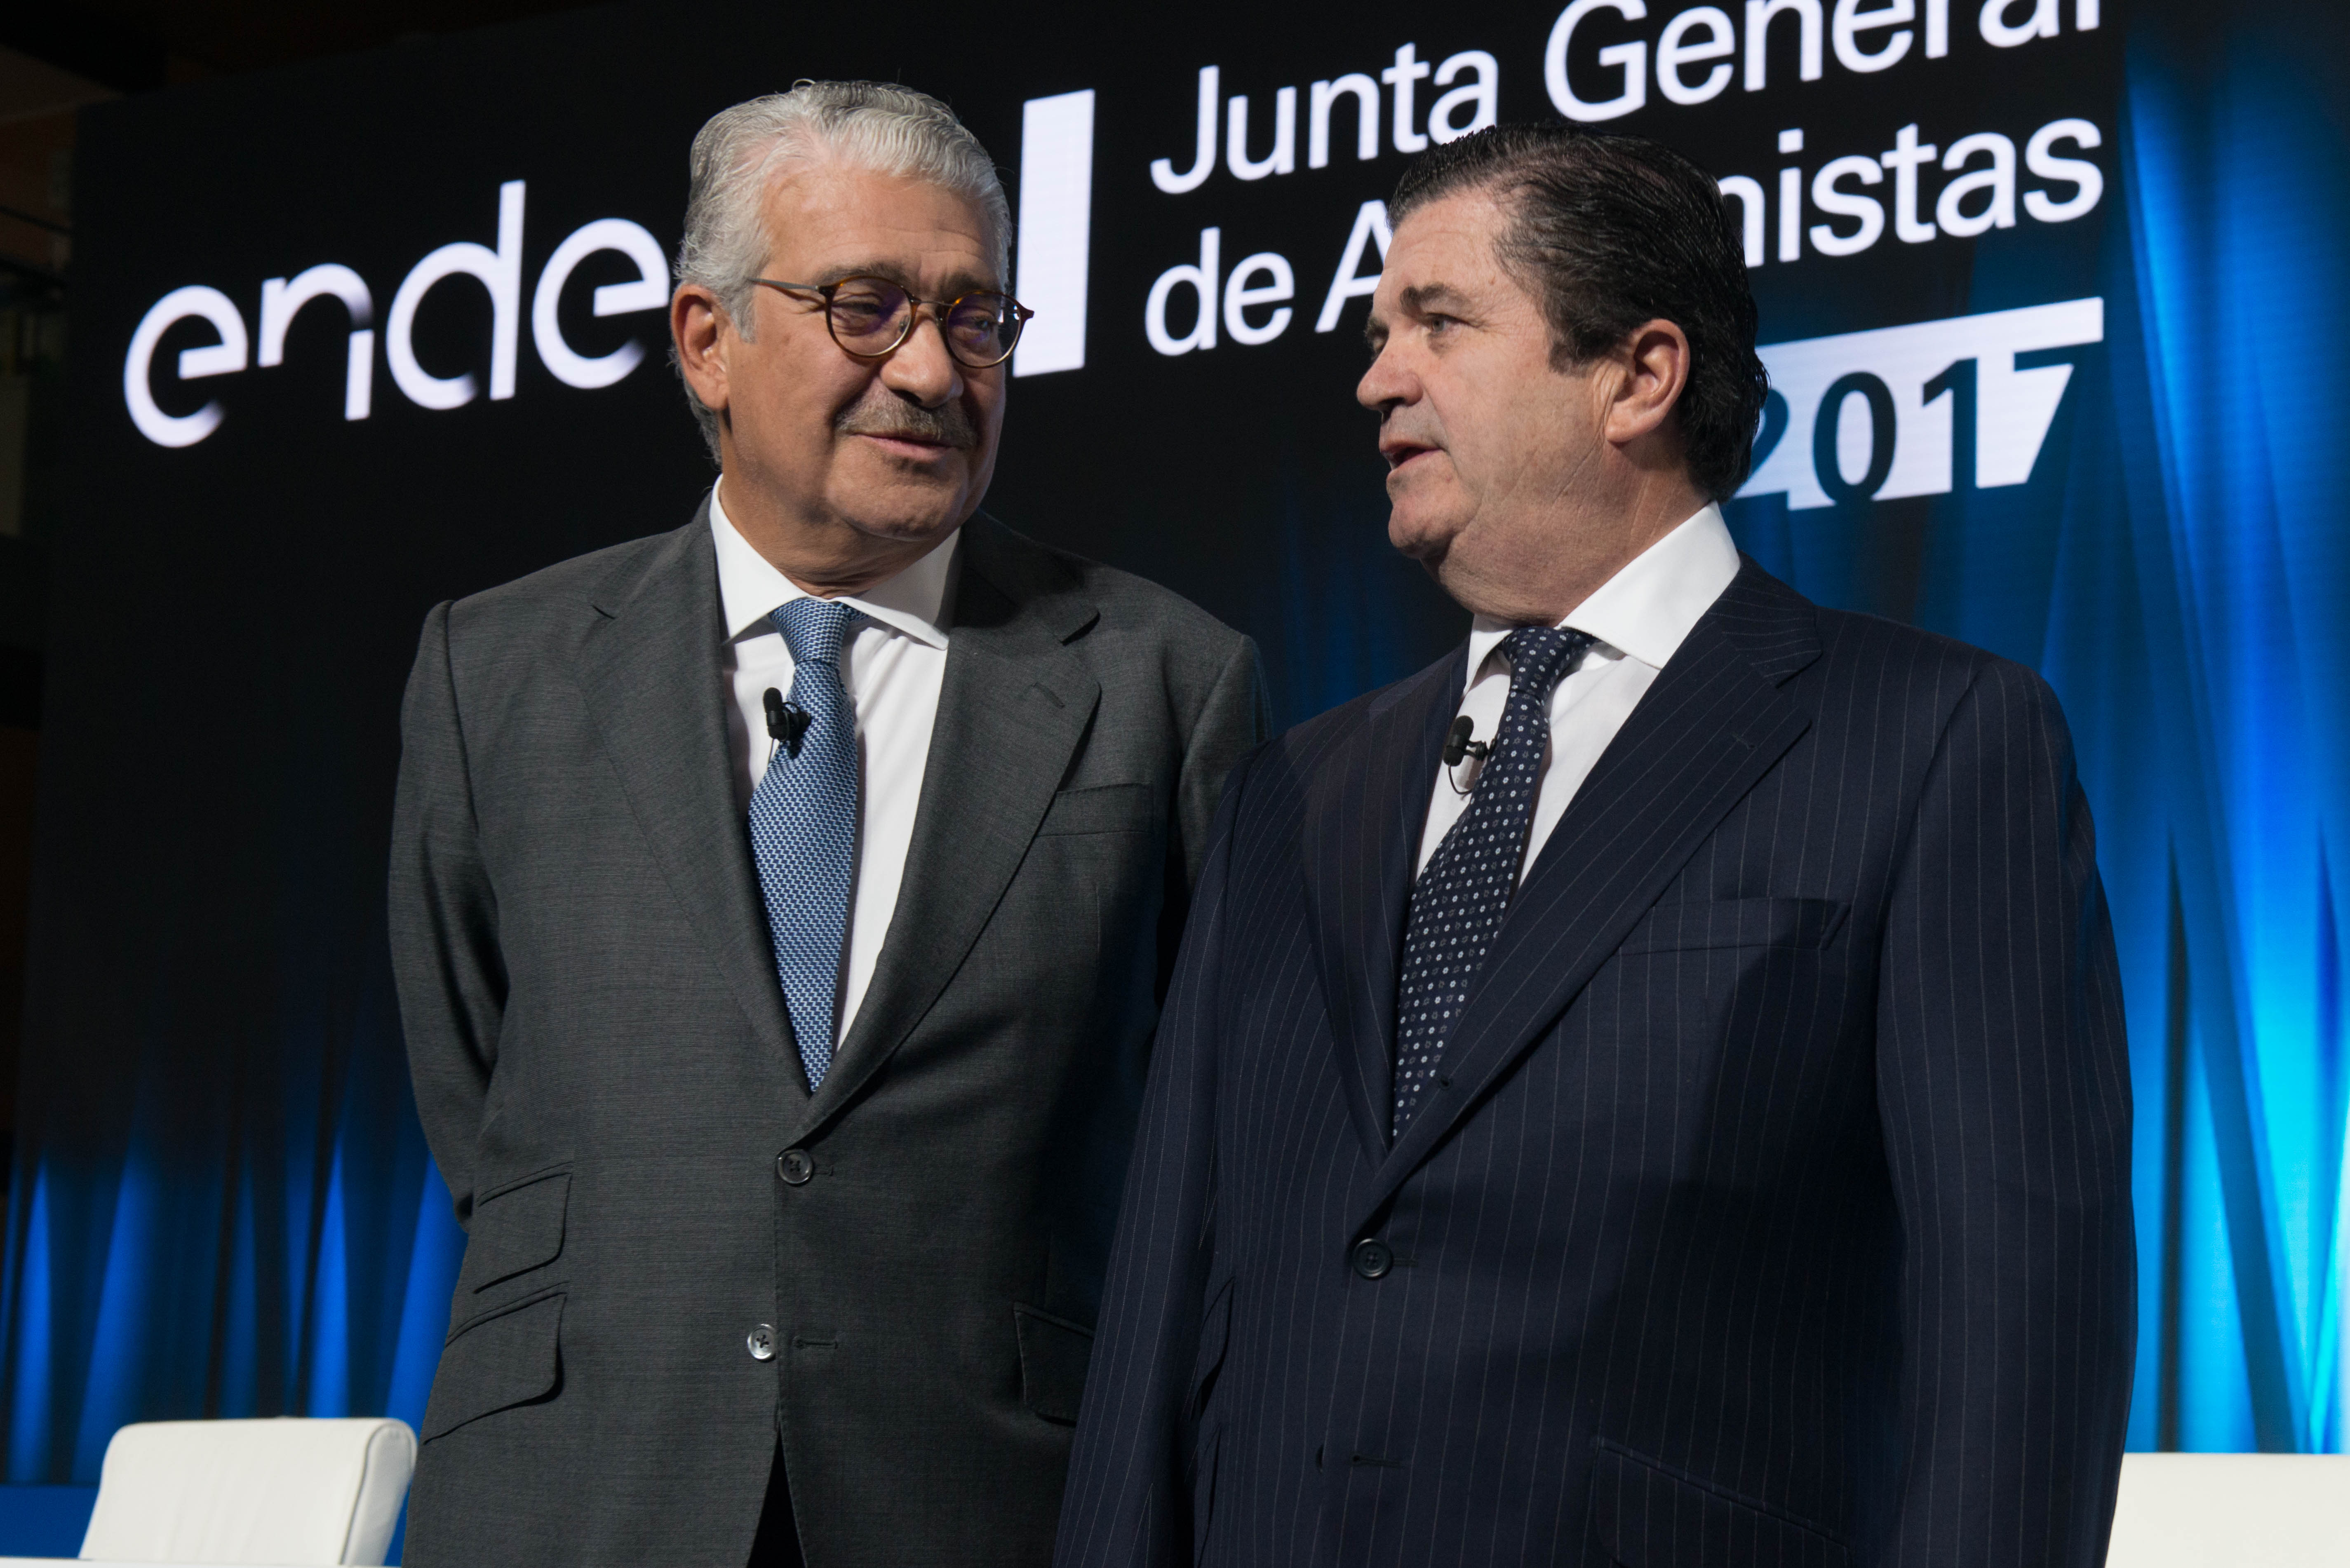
2232 1510
277 1492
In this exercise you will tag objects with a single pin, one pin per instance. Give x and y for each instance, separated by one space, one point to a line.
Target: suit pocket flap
1053 1352
1650 1517
1215 1337
1104 808
494 1363
1700 923
516 1228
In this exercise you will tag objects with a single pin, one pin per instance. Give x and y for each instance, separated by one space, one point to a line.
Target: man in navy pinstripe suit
1688 1123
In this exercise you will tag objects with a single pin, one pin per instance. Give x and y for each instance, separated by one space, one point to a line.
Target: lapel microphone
1457 743
787 722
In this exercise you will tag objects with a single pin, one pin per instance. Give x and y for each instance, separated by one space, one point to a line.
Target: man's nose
1384 385
921 368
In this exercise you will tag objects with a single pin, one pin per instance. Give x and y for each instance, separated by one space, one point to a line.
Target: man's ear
1652 371
698 325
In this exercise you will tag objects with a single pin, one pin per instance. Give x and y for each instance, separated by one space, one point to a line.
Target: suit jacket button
761 1341
1373 1258
794 1166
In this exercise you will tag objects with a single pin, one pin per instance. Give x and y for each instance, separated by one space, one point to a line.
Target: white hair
873 125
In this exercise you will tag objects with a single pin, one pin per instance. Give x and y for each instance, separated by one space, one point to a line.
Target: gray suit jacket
606 1072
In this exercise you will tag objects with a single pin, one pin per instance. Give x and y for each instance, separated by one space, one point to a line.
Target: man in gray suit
781 907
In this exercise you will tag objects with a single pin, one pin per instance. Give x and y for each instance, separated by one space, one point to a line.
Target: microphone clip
786 721
1458 745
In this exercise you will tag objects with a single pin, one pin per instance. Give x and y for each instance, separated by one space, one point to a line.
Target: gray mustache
891 416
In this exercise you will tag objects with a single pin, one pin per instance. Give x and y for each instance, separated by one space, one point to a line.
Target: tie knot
1539 655
815 628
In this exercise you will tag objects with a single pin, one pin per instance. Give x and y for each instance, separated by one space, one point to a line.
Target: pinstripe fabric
1775 1213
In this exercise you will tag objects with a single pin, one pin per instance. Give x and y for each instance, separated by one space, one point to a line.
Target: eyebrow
1423 297
957 285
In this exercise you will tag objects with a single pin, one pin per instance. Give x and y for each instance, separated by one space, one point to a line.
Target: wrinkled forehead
1446 257
1459 234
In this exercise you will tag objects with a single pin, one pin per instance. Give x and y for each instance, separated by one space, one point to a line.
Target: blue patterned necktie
1457 904
804 829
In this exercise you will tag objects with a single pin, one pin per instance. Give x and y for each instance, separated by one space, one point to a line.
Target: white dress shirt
895 663
1639 616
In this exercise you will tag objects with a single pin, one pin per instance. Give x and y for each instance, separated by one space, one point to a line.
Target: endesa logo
499 270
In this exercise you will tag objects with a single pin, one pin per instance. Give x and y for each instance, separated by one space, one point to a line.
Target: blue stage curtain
281 1246
2223 790
301 1280
2179 567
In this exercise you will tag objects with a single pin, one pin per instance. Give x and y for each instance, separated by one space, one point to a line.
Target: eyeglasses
870 316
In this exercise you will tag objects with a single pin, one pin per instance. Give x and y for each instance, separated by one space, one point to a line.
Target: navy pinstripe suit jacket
1772 1207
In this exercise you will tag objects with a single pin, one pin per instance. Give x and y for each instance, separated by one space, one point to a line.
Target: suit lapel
649 671
1711 726
1363 838
1014 706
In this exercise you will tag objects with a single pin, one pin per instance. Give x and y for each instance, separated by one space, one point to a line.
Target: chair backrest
280 1492
2232 1510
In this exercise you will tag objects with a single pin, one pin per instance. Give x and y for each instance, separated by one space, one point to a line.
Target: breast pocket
1697 924
1100 808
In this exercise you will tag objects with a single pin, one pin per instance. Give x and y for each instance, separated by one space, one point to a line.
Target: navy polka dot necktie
804 829
1457 904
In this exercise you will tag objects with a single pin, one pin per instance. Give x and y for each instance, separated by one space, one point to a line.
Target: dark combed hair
1610 232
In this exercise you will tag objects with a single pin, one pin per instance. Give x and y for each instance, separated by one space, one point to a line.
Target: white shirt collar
1646 610
750 588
